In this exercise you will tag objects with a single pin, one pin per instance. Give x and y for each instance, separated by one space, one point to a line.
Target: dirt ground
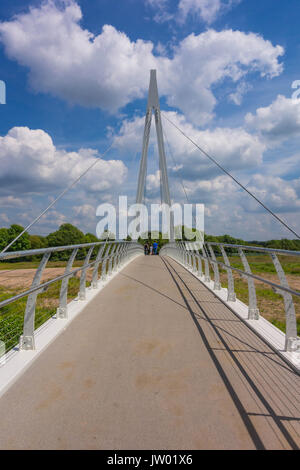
22 278
293 280
270 308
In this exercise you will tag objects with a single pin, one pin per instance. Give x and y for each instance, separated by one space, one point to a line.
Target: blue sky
77 76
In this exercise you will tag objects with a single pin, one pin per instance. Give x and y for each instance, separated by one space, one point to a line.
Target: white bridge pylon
154 106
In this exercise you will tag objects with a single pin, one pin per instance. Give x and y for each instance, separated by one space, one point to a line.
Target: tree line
68 234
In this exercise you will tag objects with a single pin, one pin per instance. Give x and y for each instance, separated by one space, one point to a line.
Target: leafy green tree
37 242
23 243
3 238
90 238
67 234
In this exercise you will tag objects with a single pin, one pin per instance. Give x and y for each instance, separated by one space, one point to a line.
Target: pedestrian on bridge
146 248
155 248
151 249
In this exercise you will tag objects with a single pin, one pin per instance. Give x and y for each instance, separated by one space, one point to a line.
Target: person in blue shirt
155 247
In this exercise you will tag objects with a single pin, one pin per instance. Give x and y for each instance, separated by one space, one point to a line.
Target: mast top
153 99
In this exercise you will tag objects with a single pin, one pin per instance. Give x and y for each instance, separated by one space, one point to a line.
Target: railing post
291 340
178 250
217 284
62 311
27 339
96 267
186 257
231 297
206 268
110 250
183 253
111 256
104 263
200 272
118 257
253 312
82 289
115 259
194 267
123 254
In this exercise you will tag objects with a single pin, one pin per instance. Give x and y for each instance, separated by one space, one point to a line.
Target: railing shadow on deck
263 395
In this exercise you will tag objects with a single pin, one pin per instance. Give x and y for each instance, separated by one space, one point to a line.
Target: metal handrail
111 255
253 276
257 248
193 260
41 251
41 287
243 273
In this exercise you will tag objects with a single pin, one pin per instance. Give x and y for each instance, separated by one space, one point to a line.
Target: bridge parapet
108 257
210 254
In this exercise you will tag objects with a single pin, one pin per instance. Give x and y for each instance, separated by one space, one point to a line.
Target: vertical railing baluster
109 251
291 341
62 311
253 312
115 258
200 272
194 262
111 256
96 267
185 255
118 257
82 288
123 254
189 258
27 339
104 262
217 284
231 296
206 265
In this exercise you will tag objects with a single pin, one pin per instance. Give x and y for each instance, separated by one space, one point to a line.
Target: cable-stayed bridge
149 352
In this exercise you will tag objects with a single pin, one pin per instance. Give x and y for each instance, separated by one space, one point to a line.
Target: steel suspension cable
232 177
172 156
57 199
184 190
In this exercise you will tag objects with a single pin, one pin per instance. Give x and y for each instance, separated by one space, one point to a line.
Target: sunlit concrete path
155 361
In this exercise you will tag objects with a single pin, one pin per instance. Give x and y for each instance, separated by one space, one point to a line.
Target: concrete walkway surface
155 361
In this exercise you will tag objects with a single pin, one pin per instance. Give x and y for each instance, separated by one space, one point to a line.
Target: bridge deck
154 362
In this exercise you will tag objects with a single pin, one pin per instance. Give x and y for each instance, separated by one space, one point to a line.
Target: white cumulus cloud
30 163
207 10
109 70
234 148
278 121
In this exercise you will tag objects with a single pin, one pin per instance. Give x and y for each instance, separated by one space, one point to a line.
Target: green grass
270 304
263 264
281 325
12 315
4 265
